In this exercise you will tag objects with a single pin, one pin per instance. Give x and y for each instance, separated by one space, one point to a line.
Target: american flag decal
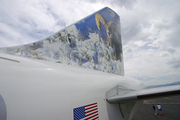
87 112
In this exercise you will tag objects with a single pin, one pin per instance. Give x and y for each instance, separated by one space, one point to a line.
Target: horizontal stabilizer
145 94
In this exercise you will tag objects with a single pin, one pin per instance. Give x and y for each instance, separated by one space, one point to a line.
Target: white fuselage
42 90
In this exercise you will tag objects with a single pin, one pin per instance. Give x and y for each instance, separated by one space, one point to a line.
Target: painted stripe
90 110
90 104
91 113
95 118
91 117
90 107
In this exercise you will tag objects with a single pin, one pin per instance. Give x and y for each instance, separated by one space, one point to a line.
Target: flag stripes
86 112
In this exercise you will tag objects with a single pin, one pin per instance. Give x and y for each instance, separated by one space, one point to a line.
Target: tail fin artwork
37 89
93 42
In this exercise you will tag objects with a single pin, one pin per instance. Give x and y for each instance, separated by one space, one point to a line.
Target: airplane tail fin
93 42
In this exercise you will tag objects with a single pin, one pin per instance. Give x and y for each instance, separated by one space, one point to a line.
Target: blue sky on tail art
90 21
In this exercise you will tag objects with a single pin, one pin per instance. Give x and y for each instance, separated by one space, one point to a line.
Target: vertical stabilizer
93 42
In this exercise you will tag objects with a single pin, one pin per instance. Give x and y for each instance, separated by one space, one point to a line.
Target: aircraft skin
49 79
34 89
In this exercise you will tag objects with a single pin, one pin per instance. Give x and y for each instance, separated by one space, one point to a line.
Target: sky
150 30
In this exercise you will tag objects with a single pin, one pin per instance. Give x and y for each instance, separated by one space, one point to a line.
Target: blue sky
150 30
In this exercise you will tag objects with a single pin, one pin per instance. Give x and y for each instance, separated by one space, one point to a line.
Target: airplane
76 73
